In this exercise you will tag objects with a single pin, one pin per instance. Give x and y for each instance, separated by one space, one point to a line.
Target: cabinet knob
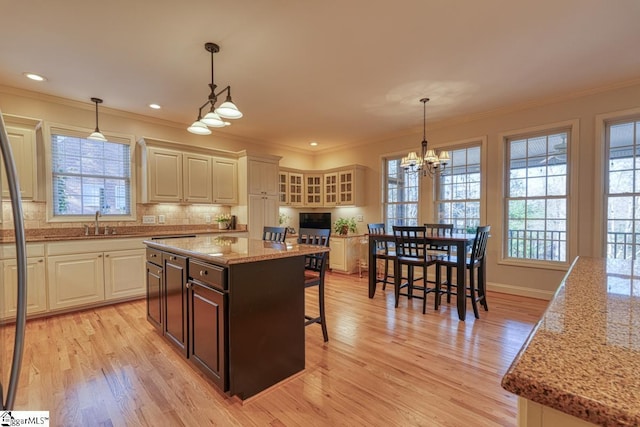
99 256
153 255
40 260
172 258
203 272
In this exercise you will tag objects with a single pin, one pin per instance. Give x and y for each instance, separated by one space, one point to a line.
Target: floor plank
382 366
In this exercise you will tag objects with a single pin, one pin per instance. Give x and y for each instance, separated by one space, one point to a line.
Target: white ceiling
333 71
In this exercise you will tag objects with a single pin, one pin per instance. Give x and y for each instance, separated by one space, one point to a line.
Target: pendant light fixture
97 135
215 117
429 162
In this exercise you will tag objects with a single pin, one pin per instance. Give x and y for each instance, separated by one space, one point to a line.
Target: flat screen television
315 220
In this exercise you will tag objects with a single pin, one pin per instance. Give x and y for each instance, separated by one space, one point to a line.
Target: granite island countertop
583 356
231 249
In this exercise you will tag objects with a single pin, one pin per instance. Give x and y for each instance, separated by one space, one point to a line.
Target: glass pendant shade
228 110
199 128
97 136
213 120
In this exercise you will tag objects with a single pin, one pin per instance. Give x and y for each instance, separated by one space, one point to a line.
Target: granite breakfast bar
580 364
231 305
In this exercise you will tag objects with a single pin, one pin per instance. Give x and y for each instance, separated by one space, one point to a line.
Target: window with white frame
458 190
89 176
401 195
623 188
537 196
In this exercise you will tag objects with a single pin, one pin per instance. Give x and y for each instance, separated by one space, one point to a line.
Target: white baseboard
519 290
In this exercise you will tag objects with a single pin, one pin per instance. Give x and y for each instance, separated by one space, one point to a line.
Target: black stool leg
323 320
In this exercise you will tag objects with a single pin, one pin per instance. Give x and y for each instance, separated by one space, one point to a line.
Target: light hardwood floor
382 366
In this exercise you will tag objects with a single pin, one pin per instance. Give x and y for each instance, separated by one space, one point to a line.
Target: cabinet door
124 274
75 280
175 276
155 291
197 172
313 190
36 287
263 211
165 175
23 146
283 187
296 189
346 183
337 254
330 189
263 177
225 181
207 336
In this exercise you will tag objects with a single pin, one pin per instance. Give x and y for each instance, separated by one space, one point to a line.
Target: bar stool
475 263
315 268
382 253
274 234
411 251
440 230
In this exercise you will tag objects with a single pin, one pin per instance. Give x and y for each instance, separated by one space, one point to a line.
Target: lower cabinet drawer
209 274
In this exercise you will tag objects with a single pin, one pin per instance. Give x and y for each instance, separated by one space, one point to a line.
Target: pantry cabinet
262 177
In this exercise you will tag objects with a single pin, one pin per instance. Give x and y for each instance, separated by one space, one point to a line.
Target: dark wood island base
234 307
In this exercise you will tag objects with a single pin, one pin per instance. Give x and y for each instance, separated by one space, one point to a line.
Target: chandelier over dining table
429 162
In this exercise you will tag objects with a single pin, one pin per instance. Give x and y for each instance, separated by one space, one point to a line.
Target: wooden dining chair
411 251
315 268
475 263
383 253
274 234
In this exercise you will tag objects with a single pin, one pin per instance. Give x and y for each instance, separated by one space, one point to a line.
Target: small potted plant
343 226
223 221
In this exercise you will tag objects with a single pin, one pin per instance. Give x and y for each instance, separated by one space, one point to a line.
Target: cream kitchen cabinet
344 187
262 177
174 176
313 190
283 187
23 148
263 211
330 189
291 188
225 181
36 281
344 254
124 274
83 273
197 184
75 280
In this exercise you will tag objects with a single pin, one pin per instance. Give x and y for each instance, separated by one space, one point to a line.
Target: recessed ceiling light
313 144
36 77
155 106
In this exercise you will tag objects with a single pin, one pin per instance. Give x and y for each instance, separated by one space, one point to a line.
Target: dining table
459 241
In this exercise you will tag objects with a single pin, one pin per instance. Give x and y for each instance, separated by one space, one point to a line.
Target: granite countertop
77 233
231 249
583 356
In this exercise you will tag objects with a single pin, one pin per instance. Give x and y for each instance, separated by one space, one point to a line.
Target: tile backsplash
35 215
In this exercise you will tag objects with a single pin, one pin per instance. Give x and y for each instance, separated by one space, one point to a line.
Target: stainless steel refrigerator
12 330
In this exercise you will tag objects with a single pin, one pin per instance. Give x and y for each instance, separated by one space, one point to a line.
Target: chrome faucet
96 223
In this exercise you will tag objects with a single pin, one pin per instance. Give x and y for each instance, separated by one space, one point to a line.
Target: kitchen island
231 305
580 364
